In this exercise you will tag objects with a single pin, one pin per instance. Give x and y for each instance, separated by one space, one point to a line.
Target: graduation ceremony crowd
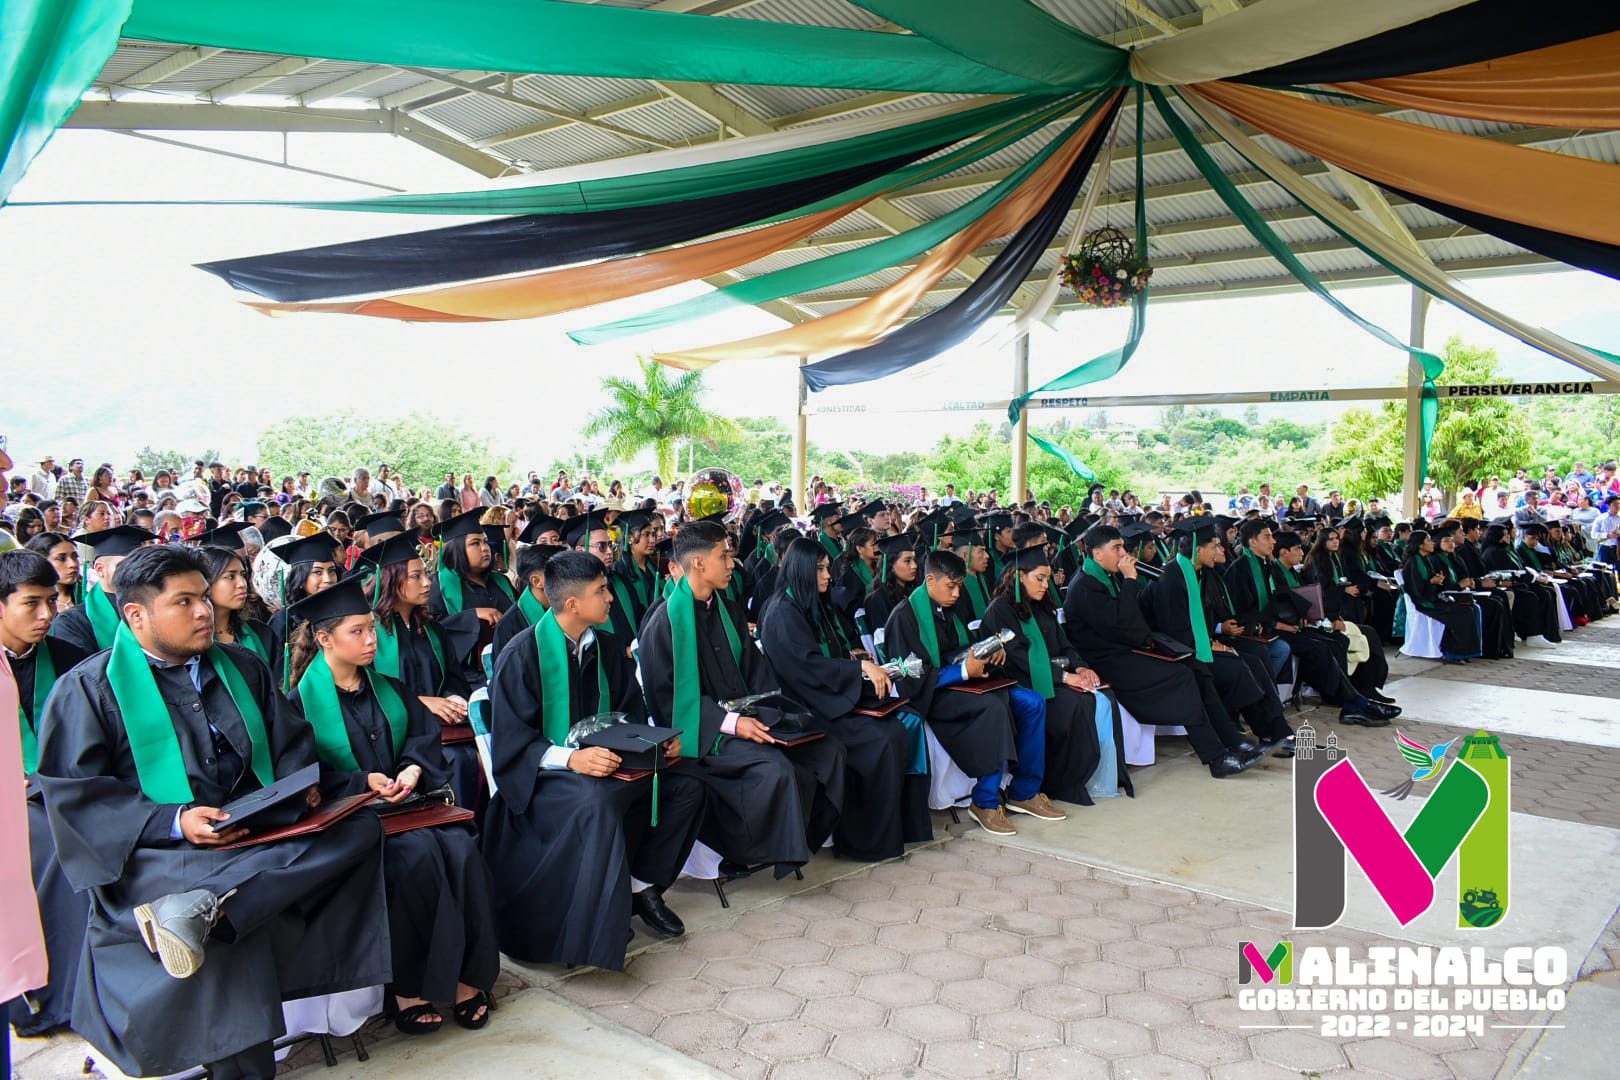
516 714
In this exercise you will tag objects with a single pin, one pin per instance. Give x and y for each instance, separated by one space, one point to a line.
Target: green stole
1530 556
978 596
828 544
637 586
922 606
104 619
1040 658
1262 584
1195 610
44 679
248 638
556 701
532 608
153 744
387 658
450 585
1338 571
863 572
1513 556
318 693
1091 568
1289 577
688 678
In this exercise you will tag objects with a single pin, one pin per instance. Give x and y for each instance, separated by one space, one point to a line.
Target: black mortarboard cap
116 541
1031 558
1224 522
1301 522
322 547
461 525
226 536
824 511
347 597
1137 531
996 521
538 525
893 546
964 537
275 528
496 536
384 521
770 521
575 528
1381 521
851 522
395 549
1201 529
718 517
632 521
962 514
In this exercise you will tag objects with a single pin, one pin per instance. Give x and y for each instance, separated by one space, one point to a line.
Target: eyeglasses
602 545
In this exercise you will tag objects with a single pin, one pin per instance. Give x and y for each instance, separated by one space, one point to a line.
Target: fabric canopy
553 38
863 323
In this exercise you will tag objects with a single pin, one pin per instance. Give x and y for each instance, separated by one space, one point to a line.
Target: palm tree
658 411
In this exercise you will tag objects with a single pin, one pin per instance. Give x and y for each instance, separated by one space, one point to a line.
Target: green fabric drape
450 586
50 50
1109 363
1278 249
318 693
1013 36
249 639
846 265
571 39
1262 583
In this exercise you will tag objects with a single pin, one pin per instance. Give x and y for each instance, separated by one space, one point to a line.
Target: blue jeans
1280 653
1029 736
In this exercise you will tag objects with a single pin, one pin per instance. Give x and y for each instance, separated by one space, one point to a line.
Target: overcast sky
110 339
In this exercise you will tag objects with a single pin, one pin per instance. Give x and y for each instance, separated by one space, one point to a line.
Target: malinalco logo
1466 814
1276 966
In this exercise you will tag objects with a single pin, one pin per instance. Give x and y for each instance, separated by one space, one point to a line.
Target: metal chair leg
956 819
328 1052
720 891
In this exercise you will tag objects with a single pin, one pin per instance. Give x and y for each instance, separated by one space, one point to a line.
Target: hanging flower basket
1106 271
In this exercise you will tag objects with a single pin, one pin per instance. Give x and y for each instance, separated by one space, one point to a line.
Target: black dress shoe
1381 697
1364 718
649 904
1230 765
1389 709
1245 747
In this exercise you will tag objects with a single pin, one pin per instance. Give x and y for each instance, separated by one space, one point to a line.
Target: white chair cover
948 785
703 863
1138 739
331 1014
1422 633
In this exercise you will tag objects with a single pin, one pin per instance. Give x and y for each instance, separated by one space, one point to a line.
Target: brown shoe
1040 807
993 820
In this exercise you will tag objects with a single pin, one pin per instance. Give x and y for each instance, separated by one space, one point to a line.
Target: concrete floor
1101 946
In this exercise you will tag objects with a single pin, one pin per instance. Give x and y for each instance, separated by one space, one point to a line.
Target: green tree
149 460
1566 430
755 448
982 460
1472 438
658 411
419 448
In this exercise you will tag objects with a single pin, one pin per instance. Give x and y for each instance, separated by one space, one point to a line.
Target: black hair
801 562
1414 542
1022 605
1289 539
23 567
454 555
1098 536
695 538
44 542
568 573
218 560
784 538
142 574
297 578
946 564
1253 528
857 537
305 647
1024 533
532 559
1496 534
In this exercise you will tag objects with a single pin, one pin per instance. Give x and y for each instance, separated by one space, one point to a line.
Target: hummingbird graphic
1425 762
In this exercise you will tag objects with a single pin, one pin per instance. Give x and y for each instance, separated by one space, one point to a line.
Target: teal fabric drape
49 52
1013 36
842 266
1277 248
571 39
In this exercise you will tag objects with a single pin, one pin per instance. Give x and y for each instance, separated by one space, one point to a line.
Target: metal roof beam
252 81
153 116
153 74
347 85
543 109
595 112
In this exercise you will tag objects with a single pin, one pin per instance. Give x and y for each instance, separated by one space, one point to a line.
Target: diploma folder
282 803
884 708
320 819
451 734
982 686
422 817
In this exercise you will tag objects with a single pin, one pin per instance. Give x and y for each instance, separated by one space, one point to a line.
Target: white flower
1121 274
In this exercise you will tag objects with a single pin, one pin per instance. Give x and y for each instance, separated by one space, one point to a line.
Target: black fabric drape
529 242
1479 31
1578 251
949 326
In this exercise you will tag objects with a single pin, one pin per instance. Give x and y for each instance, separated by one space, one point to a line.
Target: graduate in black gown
822 667
531 602
465 588
828 521
28 591
634 575
577 851
898 574
1262 597
855 573
140 747
1184 603
1041 659
1104 620
1342 602
969 545
1422 579
1495 615
230 590
767 803
1535 603
765 580
311 565
92 625
1376 597
372 734
985 733
759 553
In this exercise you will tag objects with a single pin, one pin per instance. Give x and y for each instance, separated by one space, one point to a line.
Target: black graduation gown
1462 636
875 812
115 842
878 606
62 912
419 670
1575 596
513 624
634 587
1535 606
1073 750
1496 617
1337 603
1242 678
976 730
440 918
473 596
563 846
73 626
850 588
766 804
764 589
1320 658
1377 603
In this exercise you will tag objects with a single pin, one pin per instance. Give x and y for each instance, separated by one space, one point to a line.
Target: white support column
801 446
1020 435
1411 477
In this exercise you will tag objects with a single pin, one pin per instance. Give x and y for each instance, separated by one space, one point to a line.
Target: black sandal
465 1011
414 1020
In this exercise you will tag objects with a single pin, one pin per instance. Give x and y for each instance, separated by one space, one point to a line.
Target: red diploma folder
800 740
323 818
425 817
450 734
982 686
887 707
630 774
